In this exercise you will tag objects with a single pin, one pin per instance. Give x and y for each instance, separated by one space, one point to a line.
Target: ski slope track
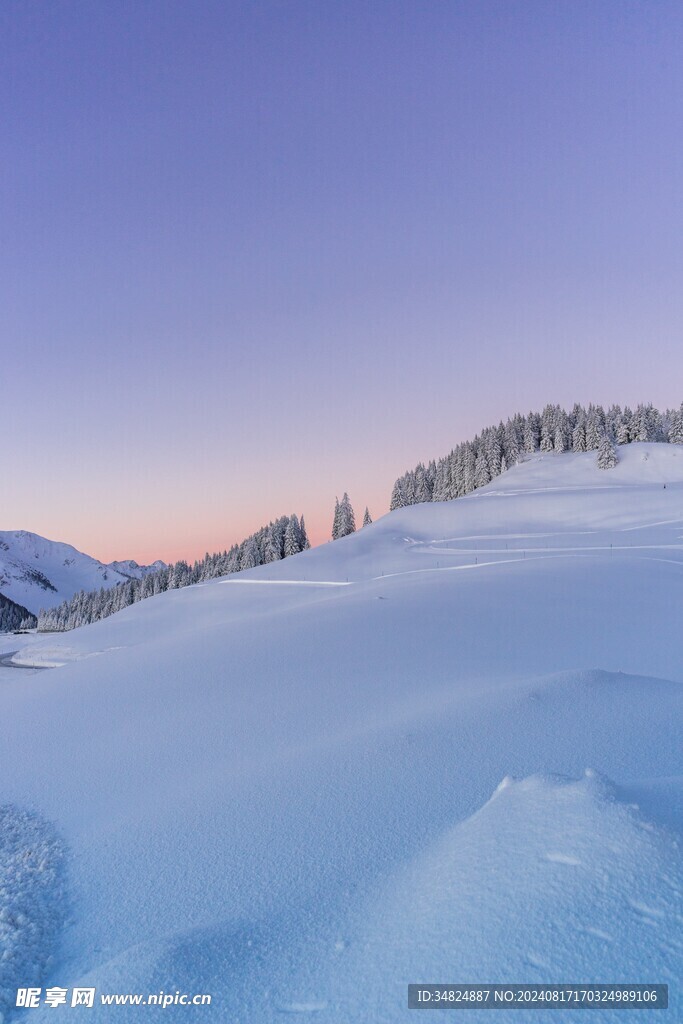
446 748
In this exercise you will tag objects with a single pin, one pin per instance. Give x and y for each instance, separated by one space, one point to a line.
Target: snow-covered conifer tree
469 468
594 430
335 521
292 537
482 475
423 491
511 443
398 497
303 536
676 431
347 520
493 449
441 481
367 518
579 436
271 551
532 435
607 453
548 429
249 557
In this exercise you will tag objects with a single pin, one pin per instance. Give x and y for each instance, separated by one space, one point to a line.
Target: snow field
282 795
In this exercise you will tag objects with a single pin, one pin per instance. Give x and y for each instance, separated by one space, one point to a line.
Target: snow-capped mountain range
39 573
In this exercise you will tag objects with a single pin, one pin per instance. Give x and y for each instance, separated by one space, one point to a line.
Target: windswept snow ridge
32 899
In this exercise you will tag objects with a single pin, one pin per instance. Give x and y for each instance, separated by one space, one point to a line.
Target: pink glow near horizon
260 255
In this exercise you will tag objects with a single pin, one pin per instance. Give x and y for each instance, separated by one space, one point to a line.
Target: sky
257 254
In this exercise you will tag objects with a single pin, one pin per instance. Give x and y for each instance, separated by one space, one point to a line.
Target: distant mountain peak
36 572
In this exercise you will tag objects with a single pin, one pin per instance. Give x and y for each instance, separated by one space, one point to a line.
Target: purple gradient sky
257 254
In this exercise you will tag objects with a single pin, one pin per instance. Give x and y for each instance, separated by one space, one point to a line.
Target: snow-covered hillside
39 573
443 749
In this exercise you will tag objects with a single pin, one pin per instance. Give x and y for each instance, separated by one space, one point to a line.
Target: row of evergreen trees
280 539
14 616
475 463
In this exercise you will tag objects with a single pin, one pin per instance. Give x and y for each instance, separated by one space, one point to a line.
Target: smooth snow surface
290 797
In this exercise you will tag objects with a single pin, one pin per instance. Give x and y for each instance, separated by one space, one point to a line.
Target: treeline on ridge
475 463
280 539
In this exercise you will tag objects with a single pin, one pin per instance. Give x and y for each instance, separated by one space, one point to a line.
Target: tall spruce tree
398 498
347 519
292 540
335 521
676 431
303 536
607 453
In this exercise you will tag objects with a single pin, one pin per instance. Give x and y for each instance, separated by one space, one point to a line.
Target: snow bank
553 880
32 900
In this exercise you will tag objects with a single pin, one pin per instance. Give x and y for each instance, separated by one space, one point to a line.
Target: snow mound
549 879
46 655
31 900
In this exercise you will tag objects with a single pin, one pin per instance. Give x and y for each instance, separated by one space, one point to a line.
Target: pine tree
271 552
441 481
305 543
367 518
398 498
676 431
250 554
347 520
292 537
335 521
494 451
511 444
481 470
548 429
579 436
643 424
607 453
561 431
531 434
423 491
594 430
